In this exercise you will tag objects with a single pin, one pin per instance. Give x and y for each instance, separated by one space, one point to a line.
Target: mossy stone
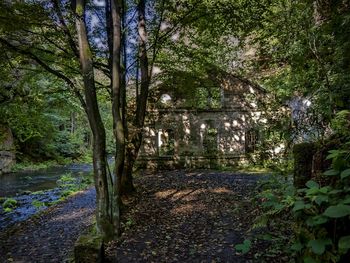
89 249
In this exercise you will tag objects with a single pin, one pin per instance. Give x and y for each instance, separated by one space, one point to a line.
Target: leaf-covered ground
50 236
175 216
183 216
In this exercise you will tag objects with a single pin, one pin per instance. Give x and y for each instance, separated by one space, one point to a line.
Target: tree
104 219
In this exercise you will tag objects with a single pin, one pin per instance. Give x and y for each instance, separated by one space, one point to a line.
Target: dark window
251 140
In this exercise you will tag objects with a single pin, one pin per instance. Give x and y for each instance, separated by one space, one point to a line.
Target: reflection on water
22 182
25 188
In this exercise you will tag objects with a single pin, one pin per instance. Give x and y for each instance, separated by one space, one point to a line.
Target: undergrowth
310 224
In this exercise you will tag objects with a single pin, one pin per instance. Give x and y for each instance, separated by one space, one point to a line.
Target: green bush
318 216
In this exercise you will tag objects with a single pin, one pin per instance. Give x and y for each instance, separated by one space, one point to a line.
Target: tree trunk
117 111
136 137
103 218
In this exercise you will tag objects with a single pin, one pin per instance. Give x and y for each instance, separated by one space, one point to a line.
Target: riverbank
18 205
50 236
29 166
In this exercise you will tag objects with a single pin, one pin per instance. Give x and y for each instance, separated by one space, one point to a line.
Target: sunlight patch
221 190
166 193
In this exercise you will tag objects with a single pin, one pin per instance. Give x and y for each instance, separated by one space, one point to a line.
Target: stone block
89 249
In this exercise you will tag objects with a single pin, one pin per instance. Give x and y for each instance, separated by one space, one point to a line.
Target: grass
248 168
30 166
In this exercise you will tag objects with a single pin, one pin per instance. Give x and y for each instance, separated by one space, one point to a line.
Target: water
34 190
30 181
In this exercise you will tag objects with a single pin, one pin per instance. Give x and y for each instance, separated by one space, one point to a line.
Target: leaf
316 220
299 205
318 246
297 247
344 243
331 172
312 184
337 211
324 189
320 199
345 173
244 247
333 154
346 200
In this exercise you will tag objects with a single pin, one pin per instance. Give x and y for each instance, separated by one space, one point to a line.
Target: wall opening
251 140
166 142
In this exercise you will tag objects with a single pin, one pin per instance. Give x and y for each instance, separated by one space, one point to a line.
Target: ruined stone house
179 137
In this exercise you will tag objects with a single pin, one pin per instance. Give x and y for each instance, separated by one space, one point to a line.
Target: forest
175 131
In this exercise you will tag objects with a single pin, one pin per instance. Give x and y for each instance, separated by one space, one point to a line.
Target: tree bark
103 217
136 137
117 113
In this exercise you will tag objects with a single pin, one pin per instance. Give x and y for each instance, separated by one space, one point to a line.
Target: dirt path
50 237
184 216
176 216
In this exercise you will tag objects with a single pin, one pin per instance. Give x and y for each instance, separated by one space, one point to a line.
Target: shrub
317 215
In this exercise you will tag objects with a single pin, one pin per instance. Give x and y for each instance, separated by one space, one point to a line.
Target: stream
34 191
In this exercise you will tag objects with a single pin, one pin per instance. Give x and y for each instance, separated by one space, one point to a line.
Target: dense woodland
78 78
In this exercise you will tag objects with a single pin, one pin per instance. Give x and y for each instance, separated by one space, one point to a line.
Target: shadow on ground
182 216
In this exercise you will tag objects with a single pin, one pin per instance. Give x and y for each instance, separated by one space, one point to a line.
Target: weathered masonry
205 138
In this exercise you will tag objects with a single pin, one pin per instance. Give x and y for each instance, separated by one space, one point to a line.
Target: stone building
180 137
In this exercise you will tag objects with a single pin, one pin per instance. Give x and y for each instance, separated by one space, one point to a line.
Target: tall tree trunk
73 122
117 113
103 217
136 138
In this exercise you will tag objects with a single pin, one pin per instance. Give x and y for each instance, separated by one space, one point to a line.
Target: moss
89 248
10 203
38 204
8 210
79 10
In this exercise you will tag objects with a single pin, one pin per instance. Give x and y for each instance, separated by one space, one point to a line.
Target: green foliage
9 204
244 247
70 184
25 165
341 123
38 204
318 214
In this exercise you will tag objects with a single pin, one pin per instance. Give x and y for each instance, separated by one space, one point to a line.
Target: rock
7 150
89 249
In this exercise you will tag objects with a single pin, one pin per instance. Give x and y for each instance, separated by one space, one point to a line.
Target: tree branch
46 67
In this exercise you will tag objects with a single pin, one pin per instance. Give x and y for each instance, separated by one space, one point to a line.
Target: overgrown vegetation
296 52
310 224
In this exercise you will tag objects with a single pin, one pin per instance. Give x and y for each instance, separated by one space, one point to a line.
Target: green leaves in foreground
244 247
337 211
344 243
318 246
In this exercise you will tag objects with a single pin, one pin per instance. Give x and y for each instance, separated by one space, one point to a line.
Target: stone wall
7 150
185 138
204 138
